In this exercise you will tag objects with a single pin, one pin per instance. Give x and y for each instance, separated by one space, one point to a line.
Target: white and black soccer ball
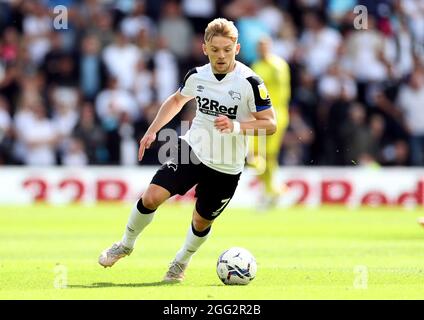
236 266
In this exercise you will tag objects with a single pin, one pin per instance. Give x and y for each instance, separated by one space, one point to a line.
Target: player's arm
260 106
264 123
168 110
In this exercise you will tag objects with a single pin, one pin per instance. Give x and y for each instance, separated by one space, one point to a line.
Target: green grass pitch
302 253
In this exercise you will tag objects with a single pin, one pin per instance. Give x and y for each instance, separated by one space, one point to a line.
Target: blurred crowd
80 86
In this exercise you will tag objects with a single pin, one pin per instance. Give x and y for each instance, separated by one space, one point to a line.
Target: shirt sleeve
187 88
259 98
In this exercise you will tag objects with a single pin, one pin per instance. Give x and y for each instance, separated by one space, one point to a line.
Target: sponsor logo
234 95
213 108
200 88
263 92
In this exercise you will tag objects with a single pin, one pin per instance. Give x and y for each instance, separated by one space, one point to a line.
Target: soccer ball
236 266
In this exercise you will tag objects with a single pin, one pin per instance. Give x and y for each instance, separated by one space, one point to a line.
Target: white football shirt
238 94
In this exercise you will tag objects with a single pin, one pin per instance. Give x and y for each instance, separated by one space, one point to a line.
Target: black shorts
214 189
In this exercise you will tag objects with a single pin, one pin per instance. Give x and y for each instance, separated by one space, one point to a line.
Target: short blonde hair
221 27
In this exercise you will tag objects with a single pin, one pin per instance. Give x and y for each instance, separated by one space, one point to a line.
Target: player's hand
145 143
224 124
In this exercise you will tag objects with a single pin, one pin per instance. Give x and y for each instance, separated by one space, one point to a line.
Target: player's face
221 52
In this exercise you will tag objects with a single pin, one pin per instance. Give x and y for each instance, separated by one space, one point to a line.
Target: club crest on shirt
263 92
234 95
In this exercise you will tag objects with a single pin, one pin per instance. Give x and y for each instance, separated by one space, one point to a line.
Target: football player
232 102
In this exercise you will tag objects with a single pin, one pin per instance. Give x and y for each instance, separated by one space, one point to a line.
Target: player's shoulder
243 71
189 74
255 84
192 75
196 71
250 77
247 74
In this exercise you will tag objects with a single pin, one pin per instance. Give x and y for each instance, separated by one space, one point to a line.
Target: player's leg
214 191
196 235
141 215
172 178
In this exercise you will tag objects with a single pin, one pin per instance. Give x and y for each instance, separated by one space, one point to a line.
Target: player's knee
151 200
200 224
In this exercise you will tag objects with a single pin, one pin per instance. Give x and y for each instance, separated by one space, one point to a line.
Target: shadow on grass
215 285
97 285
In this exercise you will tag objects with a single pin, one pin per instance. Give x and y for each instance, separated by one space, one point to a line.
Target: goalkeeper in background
276 75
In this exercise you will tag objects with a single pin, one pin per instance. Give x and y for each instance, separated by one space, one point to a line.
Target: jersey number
224 204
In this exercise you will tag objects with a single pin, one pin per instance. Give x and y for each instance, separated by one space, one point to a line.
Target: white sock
136 223
191 244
